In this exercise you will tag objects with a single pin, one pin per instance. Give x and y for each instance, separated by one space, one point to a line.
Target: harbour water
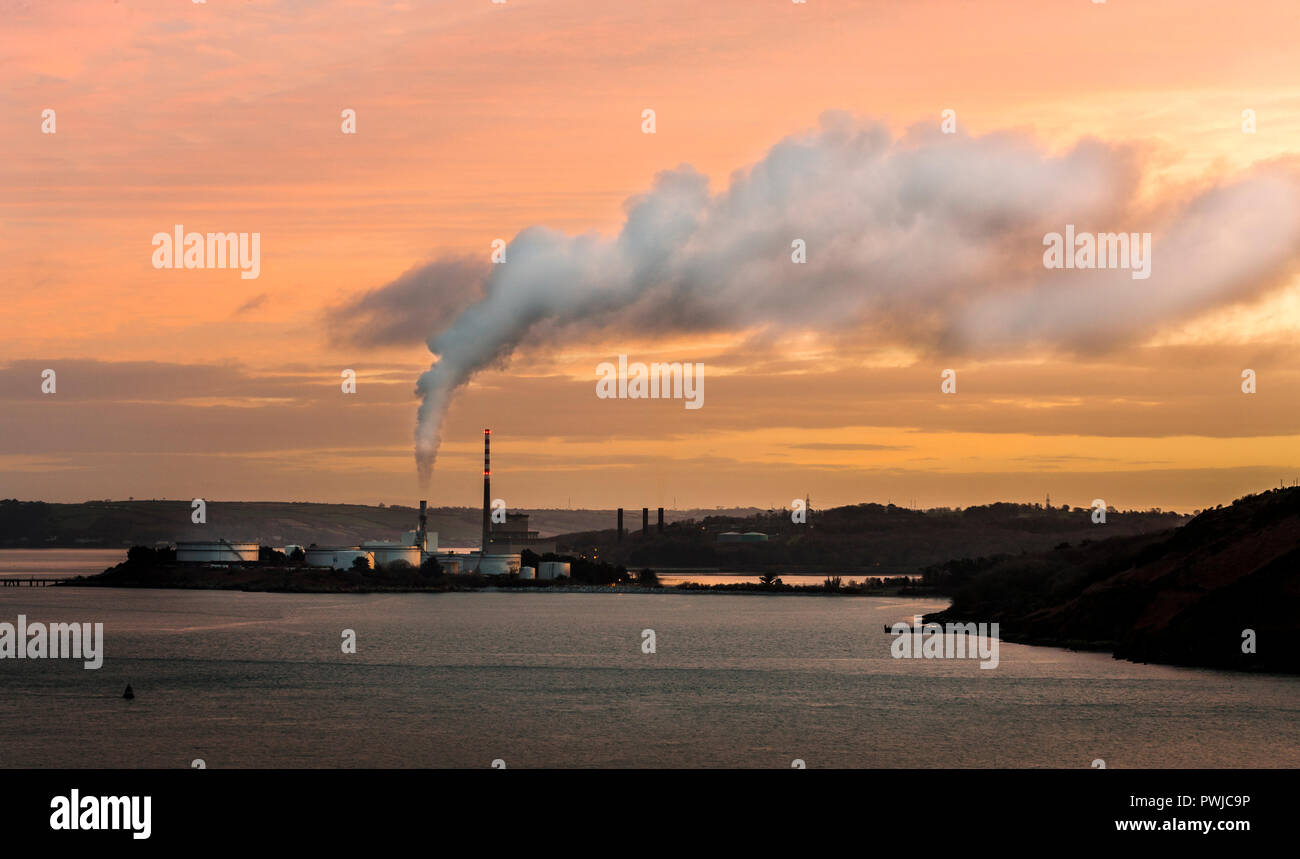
561 680
57 563
799 579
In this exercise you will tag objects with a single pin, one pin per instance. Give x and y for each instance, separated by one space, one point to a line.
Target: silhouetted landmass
119 524
146 567
870 539
1183 596
601 578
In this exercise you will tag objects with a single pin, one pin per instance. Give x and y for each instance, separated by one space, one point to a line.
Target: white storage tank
527 572
216 551
387 553
338 557
553 570
495 563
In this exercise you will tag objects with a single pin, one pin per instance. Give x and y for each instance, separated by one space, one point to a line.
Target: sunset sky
476 121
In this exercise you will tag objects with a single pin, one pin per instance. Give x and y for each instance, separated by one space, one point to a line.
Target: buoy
128 694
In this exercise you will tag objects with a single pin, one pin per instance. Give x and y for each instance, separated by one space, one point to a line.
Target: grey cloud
423 299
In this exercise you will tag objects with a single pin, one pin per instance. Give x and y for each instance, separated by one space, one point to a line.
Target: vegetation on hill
118 524
863 538
1191 596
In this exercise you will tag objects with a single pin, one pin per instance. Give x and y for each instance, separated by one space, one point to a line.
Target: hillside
1181 597
113 524
863 538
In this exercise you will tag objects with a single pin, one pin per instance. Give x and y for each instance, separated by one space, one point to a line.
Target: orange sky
477 120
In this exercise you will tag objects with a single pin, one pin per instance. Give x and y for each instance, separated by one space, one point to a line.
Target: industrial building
217 551
500 552
493 560
553 570
513 536
737 537
338 557
645 523
414 548
389 553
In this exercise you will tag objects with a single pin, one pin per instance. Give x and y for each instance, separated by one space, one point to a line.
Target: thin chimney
620 524
661 520
645 522
422 536
487 488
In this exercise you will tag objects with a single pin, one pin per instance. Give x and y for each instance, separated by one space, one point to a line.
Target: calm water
802 579
57 563
245 679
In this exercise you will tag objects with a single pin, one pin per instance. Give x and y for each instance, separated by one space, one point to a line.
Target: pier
30 581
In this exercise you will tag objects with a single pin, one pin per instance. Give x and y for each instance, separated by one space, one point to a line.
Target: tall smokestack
620 524
487 487
645 522
661 520
422 536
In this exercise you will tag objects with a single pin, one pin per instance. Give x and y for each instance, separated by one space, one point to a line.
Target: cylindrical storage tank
216 551
388 554
553 570
496 564
527 572
337 557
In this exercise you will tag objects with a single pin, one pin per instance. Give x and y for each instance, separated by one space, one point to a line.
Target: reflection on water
670 579
559 680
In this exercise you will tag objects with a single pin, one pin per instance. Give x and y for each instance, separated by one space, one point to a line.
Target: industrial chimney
620 524
661 520
422 535
645 522
487 488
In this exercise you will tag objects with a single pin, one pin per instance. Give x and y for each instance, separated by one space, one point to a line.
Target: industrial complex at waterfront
499 552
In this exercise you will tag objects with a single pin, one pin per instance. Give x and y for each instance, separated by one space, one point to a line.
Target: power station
499 552
489 561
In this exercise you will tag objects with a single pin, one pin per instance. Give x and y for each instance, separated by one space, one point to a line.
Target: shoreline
454 587
145 572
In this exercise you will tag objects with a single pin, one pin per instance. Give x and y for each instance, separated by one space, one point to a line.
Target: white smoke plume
931 240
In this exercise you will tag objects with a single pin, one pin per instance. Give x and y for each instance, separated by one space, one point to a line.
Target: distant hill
1183 597
113 524
862 538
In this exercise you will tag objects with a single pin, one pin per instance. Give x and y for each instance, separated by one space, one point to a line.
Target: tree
647 578
142 556
361 562
271 557
430 568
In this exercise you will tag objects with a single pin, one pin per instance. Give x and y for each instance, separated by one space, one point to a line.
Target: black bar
894 809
